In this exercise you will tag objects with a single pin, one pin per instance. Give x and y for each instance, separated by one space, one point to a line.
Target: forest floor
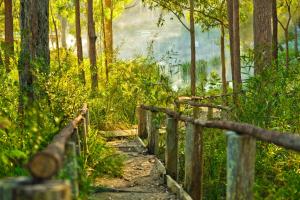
141 178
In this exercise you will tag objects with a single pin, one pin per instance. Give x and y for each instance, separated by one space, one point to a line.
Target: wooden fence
241 149
61 153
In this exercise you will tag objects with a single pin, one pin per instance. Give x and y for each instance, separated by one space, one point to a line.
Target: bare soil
141 178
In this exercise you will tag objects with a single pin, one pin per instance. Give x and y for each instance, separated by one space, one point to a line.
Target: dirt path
141 179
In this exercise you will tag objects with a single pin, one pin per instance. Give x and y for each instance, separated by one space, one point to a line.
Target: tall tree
79 39
275 31
9 33
223 62
234 37
92 45
262 27
193 49
34 26
108 34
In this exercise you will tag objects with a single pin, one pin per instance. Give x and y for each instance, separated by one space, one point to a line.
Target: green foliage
272 101
130 84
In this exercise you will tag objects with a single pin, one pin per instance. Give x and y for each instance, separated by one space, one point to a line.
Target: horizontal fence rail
61 153
286 140
241 150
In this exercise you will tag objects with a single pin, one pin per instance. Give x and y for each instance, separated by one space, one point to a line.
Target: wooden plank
240 166
172 148
193 178
153 130
142 129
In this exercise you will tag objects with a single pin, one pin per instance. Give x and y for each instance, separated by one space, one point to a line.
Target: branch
177 16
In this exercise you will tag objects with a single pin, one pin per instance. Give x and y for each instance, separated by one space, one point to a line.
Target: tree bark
79 39
231 38
9 33
193 49
108 32
34 24
92 46
275 31
262 34
234 35
223 61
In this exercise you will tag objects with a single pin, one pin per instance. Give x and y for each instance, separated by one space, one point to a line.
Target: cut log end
43 166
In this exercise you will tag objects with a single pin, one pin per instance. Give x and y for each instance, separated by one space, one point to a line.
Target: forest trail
142 175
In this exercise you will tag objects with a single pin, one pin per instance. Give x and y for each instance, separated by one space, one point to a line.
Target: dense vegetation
43 88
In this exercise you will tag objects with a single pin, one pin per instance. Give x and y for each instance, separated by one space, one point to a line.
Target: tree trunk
231 37
234 33
262 34
296 41
63 30
193 49
56 37
223 61
287 52
9 33
78 39
34 24
92 46
275 31
108 32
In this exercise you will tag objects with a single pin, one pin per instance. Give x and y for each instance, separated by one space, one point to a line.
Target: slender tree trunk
231 37
9 33
104 40
275 31
34 24
223 61
79 40
287 51
92 46
63 30
108 29
296 41
56 36
193 49
262 34
236 33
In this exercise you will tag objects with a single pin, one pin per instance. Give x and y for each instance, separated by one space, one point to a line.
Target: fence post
142 129
72 167
153 131
87 121
193 177
76 139
84 136
172 147
241 151
210 113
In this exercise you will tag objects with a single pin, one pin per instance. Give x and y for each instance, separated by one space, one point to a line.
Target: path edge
172 185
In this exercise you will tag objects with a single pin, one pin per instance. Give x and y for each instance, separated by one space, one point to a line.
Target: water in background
136 29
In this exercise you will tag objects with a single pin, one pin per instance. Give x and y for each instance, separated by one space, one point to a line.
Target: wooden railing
61 153
241 149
